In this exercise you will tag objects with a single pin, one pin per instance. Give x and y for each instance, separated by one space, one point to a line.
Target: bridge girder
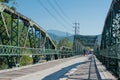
19 31
20 36
110 44
111 30
82 41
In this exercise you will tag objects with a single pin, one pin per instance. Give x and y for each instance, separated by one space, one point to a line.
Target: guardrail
110 57
14 53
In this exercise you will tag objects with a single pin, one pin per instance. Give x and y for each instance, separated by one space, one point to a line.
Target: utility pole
76 26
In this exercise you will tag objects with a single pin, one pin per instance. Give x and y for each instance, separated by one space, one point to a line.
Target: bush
26 60
3 66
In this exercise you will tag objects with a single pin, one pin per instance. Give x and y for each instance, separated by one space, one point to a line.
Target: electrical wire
62 10
57 20
65 21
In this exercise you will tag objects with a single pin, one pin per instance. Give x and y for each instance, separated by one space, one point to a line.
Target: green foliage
65 42
3 66
22 30
6 1
56 43
13 8
25 60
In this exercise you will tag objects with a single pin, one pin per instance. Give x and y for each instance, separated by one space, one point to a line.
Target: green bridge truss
81 42
109 52
21 36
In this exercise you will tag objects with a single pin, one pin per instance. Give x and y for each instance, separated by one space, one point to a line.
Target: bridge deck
63 69
89 70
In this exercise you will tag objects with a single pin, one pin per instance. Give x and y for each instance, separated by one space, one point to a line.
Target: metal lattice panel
110 45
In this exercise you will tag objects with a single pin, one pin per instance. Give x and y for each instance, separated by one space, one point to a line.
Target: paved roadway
87 71
74 68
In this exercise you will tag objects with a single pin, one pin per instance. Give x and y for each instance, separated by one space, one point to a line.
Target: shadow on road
60 73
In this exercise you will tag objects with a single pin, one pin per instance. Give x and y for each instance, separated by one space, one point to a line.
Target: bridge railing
14 50
110 57
21 36
13 54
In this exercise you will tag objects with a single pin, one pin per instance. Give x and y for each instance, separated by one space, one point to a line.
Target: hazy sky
61 14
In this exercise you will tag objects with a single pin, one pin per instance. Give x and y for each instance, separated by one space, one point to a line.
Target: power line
57 20
61 10
65 21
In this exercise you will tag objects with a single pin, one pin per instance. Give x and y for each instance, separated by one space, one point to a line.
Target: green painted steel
21 36
109 53
81 42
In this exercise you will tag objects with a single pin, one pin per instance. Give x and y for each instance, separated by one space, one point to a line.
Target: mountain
55 37
59 33
58 38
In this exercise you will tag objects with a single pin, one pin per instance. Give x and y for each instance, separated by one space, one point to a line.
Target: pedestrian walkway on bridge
74 68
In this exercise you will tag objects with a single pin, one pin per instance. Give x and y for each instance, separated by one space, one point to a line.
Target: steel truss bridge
109 53
21 36
81 42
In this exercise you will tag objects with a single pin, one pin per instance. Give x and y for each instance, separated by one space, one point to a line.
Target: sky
61 14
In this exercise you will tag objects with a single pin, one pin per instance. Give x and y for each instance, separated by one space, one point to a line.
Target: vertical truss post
14 39
48 47
31 37
23 33
36 58
14 30
3 31
37 38
47 44
43 40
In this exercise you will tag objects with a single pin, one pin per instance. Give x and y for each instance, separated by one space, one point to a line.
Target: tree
5 1
25 60
3 64
56 43
65 42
